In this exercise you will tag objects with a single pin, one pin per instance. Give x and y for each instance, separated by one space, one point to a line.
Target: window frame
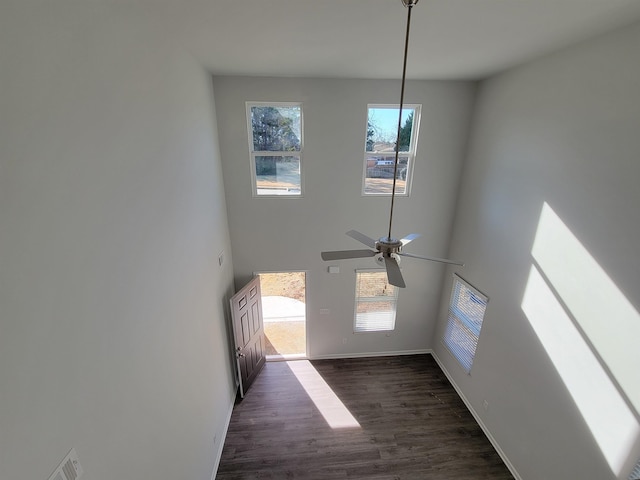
393 299
411 154
456 317
262 153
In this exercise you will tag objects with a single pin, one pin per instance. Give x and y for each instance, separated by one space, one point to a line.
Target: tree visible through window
380 148
275 140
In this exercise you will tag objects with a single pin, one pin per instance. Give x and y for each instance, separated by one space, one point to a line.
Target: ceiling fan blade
394 276
432 259
362 238
410 237
345 254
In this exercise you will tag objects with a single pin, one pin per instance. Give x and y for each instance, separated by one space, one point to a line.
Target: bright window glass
275 144
380 147
376 302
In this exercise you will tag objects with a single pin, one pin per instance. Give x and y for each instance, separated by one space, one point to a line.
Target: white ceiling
450 39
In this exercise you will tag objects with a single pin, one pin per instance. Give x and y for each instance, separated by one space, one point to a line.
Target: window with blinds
466 313
376 302
635 475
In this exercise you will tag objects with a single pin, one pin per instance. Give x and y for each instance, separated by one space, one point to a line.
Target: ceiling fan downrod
409 4
389 250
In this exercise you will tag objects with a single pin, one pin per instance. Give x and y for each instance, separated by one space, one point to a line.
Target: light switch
334 269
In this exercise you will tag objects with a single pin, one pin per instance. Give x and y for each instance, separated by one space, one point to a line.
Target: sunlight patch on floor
326 401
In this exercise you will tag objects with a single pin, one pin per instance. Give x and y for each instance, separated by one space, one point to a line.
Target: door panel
257 318
246 334
248 328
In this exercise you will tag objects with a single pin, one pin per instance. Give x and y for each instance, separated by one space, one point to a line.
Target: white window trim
255 153
394 299
411 153
475 332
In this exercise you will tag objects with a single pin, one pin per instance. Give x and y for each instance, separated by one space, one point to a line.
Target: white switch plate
334 269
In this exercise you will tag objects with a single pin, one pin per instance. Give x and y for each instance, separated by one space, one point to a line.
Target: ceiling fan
388 250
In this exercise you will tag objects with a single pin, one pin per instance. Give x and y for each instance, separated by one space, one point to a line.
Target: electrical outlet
324 311
344 341
485 405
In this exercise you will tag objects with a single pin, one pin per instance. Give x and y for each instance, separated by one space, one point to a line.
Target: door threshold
287 357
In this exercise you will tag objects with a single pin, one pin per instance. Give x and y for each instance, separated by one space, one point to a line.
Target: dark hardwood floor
412 424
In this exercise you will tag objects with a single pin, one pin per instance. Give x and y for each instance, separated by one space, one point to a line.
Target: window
375 302
275 143
466 313
635 475
380 148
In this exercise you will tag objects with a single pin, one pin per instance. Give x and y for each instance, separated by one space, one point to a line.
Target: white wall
289 233
549 227
112 325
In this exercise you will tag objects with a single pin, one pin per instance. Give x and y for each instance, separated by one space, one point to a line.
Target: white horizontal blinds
466 312
635 475
375 302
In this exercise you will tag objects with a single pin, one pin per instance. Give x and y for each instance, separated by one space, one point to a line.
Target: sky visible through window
386 121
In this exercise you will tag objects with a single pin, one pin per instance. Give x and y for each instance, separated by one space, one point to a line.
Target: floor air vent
69 468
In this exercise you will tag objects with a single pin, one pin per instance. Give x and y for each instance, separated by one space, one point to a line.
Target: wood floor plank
411 424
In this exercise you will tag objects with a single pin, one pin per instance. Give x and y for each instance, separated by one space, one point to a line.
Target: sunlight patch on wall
582 319
604 314
326 401
614 427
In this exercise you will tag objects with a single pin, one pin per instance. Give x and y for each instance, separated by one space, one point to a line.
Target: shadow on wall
589 330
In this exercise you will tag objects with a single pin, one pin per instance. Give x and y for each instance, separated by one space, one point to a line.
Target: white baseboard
221 438
370 354
484 428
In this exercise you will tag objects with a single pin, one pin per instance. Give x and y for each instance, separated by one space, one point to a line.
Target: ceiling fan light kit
388 250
